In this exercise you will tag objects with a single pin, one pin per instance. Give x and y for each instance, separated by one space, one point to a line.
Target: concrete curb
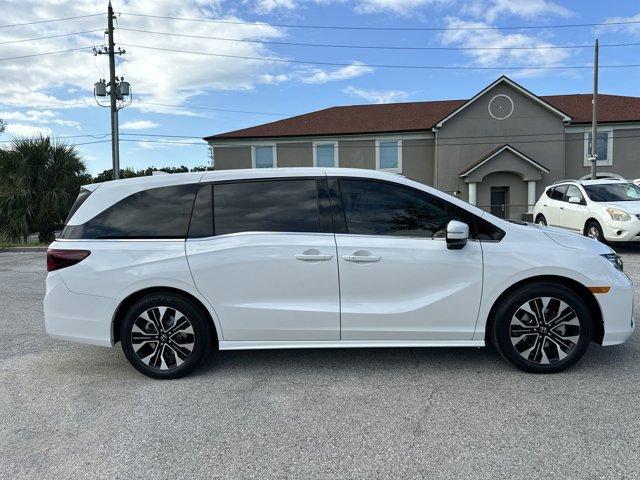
23 249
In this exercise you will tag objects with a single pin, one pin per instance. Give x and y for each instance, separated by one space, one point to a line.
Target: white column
472 193
531 195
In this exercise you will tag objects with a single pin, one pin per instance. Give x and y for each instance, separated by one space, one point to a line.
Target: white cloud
528 9
267 6
629 28
138 125
155 76
399 7
38 116
22 130
377 96
493 38
318 75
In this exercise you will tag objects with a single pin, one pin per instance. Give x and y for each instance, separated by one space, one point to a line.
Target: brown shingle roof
611 108
421 116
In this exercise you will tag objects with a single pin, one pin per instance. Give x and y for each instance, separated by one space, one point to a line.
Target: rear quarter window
162 212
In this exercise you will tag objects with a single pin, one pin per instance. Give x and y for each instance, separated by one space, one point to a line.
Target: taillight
57 259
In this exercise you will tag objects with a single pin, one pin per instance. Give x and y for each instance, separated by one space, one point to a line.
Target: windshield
613 192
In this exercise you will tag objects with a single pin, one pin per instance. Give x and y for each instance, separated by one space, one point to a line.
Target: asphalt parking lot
77 411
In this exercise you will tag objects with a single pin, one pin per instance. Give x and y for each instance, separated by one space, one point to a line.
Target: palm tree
39 181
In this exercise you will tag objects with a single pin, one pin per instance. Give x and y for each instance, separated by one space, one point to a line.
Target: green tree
129 172
39 181
2 125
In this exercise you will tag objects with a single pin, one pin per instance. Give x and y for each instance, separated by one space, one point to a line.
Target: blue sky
52 94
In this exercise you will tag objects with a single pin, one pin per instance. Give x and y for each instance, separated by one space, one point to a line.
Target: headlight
615 260
618 215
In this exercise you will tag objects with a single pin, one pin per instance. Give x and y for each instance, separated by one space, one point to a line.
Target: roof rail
565 180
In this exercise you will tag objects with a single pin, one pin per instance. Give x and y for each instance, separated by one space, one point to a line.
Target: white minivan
175 266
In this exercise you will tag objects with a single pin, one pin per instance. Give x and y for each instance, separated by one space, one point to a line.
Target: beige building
497 150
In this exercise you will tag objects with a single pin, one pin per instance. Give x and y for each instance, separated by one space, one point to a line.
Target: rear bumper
77 317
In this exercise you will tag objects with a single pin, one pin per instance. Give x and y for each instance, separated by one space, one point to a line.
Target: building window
604 147
325 154
263 156
389 155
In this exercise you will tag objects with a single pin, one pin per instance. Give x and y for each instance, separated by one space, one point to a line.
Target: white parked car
173 266
605 210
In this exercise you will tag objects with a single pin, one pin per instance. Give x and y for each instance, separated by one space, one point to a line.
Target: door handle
360 258
310 257
561 208
544 204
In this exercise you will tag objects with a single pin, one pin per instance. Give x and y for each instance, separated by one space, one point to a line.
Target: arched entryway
504 182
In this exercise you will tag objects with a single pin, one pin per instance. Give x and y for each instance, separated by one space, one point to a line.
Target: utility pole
594 119
113 93
118 89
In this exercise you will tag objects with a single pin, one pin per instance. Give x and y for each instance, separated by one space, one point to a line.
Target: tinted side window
573 191
154 213
202 217
376 208
266 206
82 197
558 192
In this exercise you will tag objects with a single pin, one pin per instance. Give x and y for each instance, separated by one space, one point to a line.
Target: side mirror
575 200
457 235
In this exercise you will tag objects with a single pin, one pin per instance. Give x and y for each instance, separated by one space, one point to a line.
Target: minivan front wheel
164 336
542 328
594 230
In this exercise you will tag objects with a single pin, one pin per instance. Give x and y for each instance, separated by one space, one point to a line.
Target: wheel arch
135 296
540 214
597 324
587 221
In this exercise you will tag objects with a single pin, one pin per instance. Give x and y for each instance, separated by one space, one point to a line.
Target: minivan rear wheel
165 336
542 328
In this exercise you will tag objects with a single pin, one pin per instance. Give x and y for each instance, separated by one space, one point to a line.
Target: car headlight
618 215
615 260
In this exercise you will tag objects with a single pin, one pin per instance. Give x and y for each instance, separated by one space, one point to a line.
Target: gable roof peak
504 79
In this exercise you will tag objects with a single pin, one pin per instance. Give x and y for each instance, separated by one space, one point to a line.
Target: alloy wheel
162 338
544 330
593 232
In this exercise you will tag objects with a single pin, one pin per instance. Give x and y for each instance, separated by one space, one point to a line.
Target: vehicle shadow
400 361
623 248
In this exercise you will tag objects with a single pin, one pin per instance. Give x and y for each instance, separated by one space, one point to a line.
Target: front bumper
617 313
77 317
621 231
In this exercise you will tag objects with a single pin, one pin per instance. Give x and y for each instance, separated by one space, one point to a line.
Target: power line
413 145
411 67
140 102
17 57
373 47
51 20
50 105
340 27
51 36
285 145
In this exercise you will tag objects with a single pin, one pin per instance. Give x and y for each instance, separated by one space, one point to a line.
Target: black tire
170 354
547 342
593 230
541 220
